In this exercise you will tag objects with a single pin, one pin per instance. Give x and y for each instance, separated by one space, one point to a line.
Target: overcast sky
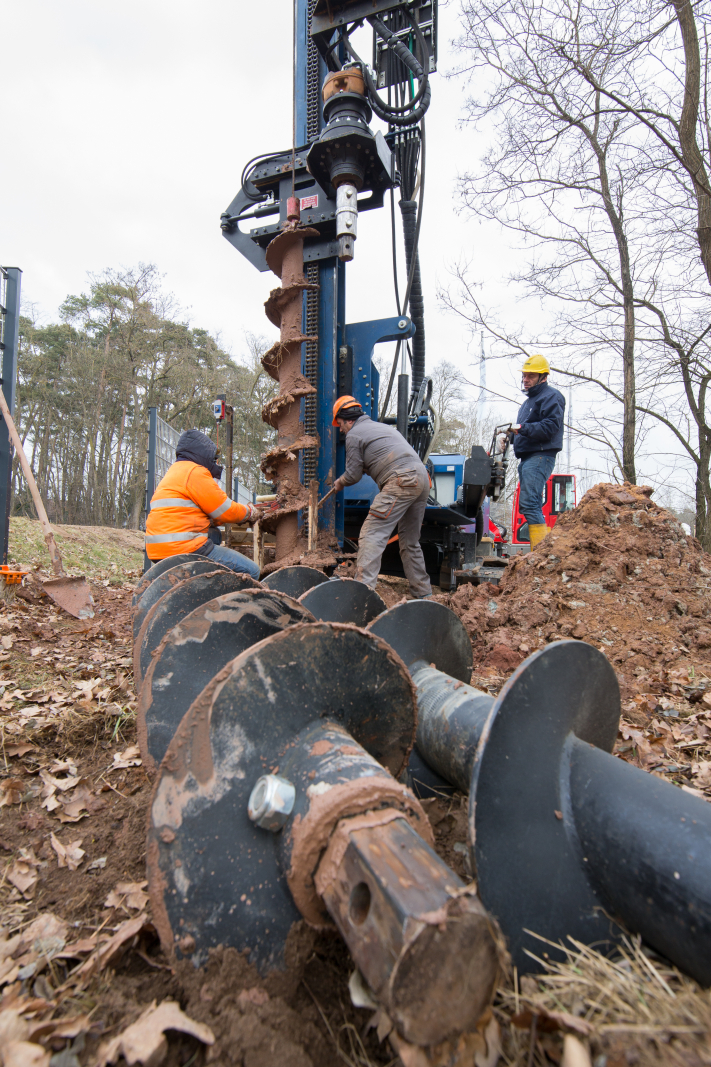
128 125
125 130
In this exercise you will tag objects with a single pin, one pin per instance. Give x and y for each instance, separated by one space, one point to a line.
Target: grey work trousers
401 502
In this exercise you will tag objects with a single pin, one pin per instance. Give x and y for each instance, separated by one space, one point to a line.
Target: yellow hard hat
536 365
344 404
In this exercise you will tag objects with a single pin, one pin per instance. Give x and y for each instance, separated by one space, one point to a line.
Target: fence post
9 339
150 470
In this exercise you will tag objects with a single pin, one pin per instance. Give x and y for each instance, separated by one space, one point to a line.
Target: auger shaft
285 256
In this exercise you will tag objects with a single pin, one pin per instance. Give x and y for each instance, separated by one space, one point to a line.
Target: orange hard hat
344 402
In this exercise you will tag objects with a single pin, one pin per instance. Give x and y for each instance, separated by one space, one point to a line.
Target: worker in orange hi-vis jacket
188 501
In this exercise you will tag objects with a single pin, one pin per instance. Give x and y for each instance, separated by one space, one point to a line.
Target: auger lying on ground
265 720
280 740
563 836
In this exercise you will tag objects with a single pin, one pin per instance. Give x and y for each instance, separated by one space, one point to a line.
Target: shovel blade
72 595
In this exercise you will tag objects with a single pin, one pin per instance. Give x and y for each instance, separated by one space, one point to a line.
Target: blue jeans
534 471
234 561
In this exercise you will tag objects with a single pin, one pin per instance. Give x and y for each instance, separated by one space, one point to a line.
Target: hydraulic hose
389 113
412 112
417 305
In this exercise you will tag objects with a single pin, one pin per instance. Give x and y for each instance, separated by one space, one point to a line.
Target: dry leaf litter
83 980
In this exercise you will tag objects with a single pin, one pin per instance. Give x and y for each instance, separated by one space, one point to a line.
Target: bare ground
79 958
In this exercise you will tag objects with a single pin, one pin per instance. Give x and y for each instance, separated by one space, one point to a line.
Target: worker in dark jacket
377 449
537 441
188 501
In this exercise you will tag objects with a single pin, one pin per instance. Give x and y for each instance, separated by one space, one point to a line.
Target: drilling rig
296 214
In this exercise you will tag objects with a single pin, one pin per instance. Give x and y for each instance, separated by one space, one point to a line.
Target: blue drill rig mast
310 195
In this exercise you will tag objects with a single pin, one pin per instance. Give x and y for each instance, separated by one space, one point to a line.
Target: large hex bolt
546 795
271 802
330 710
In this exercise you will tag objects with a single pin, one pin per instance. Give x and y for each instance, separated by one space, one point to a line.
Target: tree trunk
614 214
690 152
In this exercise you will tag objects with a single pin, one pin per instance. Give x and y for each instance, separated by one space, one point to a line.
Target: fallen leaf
7 642
24 1054
12 1026
59 783
67 766
144 1042
98 864
23 872
68 855
128 758
106 952
127 895
81 803
12 791
19 750
66 1028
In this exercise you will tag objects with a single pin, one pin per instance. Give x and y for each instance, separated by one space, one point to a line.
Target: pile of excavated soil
618 572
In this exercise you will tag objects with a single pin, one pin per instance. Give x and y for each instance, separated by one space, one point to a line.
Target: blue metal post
9 341
332 281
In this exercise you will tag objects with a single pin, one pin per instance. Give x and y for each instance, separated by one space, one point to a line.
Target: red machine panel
559 496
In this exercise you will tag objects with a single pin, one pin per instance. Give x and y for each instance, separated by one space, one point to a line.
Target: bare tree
85 386
598 162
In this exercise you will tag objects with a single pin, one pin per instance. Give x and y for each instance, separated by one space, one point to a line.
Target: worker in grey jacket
379 450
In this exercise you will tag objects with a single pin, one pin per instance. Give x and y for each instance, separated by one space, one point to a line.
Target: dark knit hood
196 446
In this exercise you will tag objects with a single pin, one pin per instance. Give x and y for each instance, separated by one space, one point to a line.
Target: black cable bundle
417 304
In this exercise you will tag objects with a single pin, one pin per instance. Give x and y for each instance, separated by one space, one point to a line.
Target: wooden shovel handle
328 494
29 476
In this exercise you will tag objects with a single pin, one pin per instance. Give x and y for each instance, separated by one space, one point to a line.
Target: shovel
71 594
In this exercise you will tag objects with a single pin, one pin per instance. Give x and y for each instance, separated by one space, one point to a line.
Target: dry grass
632 1008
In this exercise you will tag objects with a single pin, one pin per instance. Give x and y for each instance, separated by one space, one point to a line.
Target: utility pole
10 281
570 425
482 387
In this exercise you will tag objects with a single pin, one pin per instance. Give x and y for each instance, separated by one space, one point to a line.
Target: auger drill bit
564 837
175 604
164 583
195 650
343 600
160 567
284 308
294 581
277 800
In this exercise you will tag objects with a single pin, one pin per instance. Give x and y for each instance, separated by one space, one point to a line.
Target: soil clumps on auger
618 572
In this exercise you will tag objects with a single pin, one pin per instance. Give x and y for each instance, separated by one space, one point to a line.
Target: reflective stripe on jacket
182 507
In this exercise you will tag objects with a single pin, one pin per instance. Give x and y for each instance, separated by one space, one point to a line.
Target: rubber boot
537 532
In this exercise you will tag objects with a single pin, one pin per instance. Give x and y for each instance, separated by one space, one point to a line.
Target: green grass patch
98 552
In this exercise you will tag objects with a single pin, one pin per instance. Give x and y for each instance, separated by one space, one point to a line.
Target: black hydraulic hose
417 304
408 114
406 56
406 301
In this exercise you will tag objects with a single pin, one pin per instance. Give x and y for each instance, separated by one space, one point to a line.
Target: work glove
253 513
500 443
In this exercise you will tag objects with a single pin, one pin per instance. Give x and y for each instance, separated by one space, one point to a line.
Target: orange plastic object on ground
11 577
